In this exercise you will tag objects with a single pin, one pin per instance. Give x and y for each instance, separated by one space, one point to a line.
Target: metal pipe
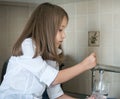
108 68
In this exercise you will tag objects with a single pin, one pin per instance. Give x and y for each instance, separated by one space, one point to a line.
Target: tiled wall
93 15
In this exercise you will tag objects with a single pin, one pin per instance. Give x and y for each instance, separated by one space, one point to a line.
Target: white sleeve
44 72
54 91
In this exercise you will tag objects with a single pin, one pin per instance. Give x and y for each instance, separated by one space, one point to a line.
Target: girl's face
61 33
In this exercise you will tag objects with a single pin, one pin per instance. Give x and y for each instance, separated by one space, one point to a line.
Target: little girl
36 56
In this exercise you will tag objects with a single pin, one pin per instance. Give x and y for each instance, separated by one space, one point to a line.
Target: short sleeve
54 91
37 66
48 75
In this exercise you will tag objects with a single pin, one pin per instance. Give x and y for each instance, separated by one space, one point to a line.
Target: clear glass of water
101 89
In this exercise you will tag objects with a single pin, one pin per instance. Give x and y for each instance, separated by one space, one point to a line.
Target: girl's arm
64 96
69 73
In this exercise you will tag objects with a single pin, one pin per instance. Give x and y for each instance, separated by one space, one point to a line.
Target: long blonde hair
42 27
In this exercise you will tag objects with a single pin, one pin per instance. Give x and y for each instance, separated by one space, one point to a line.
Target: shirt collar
59 51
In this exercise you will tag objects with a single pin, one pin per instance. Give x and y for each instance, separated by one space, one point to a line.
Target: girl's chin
57 46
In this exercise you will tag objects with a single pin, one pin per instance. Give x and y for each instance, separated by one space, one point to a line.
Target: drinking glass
101 89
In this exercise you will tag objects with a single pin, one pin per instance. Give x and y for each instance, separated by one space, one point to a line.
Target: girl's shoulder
28 48
27 40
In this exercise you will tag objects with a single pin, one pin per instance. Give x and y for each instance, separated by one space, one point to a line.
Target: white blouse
27 77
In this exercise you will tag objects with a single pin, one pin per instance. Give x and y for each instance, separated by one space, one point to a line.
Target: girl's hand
91 97
90 61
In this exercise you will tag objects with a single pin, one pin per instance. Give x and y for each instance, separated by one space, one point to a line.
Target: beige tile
106 6
93 22
106 22
93 6
116 20
116 6
107 55
81 23
106 38
82 7
81 39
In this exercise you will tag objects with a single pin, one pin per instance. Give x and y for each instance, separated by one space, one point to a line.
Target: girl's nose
63 35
